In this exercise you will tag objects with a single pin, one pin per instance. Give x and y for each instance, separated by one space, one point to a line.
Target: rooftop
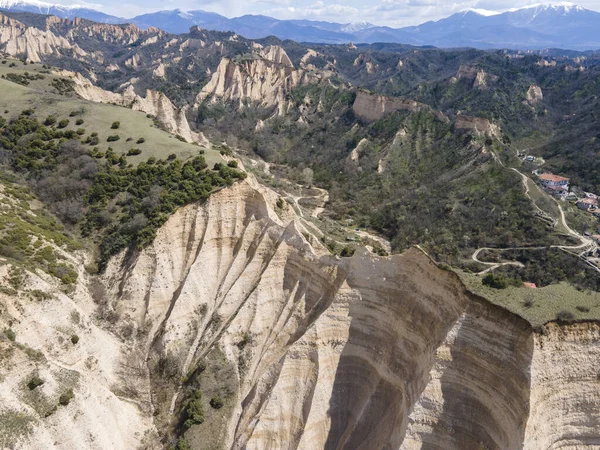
552 177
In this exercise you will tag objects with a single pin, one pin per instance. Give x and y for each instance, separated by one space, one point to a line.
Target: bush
565 317
34 382
193 410
133 151
79 122
50 120
115 125
63 123
141 140
171 157
81 131
74 339
216 402
66 398
583 309
113 138
233 163
10 334
495 281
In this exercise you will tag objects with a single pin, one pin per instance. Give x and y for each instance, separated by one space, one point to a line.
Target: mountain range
539 26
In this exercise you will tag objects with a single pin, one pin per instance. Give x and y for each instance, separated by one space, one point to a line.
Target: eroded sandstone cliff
307 351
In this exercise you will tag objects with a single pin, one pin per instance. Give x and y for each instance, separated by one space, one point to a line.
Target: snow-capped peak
356 26
42 6
565 7
481 12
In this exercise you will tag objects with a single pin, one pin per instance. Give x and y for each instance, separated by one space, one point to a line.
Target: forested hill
412 142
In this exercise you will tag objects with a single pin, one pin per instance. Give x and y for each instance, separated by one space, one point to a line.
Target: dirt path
579 250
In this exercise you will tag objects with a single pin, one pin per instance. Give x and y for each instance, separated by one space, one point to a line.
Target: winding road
586 245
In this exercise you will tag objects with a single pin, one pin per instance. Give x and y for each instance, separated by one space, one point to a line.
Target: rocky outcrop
277 55
265 81
371 107
17 39
478 77
58 35
476 125
534 95
154 103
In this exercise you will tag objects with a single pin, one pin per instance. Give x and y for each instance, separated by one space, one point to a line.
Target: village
559 187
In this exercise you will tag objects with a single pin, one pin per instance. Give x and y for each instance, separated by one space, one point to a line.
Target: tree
115 125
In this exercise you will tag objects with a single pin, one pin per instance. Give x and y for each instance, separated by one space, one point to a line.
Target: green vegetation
74 339
14 426
216 402
541 305
34 382
115 125
78 188
10 334
23 79
64 86
66 397
193 411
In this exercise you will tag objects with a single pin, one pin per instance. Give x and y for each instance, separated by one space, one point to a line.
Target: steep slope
312 352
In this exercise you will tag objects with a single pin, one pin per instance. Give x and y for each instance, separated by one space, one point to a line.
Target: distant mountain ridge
533 27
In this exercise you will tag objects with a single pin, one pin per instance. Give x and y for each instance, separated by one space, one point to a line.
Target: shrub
279 203
171 157
27 112
10 334
216 402
246 339
115 125
582 308
233 163
565 317
79 122
80 131
74 339
133 151
180 138
141 140
193 410
66 397
50 120
113 138
347 252
495 281
63 123
34 382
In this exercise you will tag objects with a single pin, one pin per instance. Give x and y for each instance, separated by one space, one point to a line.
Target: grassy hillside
62 147
45 100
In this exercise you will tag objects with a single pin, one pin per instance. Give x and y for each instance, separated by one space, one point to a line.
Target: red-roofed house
587 203
549 179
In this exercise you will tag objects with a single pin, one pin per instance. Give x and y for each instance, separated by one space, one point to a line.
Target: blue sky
381 12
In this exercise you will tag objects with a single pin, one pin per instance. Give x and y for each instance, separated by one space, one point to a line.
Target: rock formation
266 80
534 95
364 352
371 107
17 39
154 103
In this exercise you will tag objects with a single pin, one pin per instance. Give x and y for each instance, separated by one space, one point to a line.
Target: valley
214 242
